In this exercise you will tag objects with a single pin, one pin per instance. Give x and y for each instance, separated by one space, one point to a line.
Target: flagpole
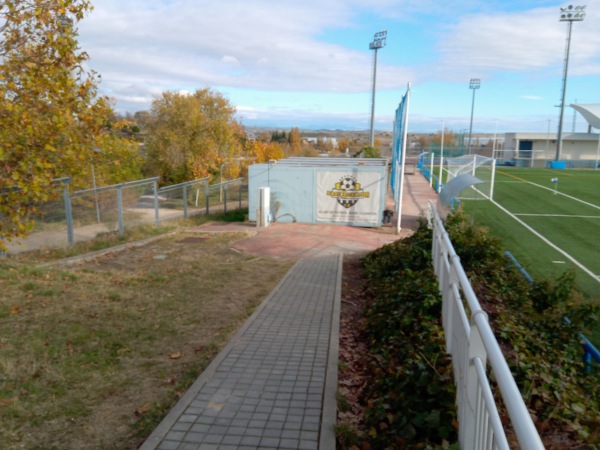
404 137
441 174
555 181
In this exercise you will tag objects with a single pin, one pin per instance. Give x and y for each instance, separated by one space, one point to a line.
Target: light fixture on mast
379 41
568 14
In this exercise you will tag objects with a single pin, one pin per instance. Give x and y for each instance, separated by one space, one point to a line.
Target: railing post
225 198
120 210
447 297
435 251
185 208
476 349
472 344
431 171
155 188
493 179
207 195
68 212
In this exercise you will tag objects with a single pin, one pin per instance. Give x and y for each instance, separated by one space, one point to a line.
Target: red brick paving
296 240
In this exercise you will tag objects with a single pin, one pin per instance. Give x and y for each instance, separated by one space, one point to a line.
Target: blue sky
307 63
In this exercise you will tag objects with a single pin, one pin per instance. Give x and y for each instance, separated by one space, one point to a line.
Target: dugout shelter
342 191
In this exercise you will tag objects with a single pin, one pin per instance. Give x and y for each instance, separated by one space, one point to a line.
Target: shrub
410 401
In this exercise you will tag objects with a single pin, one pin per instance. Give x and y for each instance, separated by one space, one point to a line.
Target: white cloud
528 40
230 60
240 44
285 51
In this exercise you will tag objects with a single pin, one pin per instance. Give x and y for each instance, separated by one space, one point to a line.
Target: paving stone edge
163 428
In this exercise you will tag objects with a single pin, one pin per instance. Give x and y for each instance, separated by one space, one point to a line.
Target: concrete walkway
273 386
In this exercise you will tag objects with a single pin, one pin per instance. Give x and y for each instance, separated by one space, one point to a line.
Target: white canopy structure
591 113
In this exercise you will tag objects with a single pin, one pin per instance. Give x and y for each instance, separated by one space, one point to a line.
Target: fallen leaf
142 409
8 401
175 355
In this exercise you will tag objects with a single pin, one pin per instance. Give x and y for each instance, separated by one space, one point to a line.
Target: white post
494 143
493 178
264 208
441 156
431 171
441 174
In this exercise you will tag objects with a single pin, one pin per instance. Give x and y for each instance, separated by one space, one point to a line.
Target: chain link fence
85 214
110 208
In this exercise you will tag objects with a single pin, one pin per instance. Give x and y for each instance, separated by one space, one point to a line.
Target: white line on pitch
555 247
557 215
564 195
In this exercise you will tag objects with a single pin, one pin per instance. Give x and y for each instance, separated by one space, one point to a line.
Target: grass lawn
570 222
93 355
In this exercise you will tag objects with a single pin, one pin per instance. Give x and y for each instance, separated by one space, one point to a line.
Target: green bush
410 399
542 348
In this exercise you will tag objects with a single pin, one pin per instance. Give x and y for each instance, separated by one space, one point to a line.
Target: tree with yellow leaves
261 152
191 135
50 115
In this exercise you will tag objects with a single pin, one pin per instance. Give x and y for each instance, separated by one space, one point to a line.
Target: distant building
536 149
328 140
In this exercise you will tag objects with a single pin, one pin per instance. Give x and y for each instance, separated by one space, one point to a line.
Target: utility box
263 213
344 191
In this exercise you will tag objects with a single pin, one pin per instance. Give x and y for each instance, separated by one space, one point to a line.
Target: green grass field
564 224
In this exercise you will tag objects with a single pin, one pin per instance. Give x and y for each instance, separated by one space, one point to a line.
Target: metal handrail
481 345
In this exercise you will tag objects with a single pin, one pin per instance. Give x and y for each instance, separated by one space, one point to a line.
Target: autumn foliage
49 111
191 135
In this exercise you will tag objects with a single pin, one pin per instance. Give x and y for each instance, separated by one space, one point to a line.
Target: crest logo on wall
347 191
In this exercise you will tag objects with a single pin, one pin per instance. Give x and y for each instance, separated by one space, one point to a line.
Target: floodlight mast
379 41
568 14
474 84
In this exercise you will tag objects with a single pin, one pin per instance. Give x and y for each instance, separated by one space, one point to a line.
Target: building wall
296 195
575 146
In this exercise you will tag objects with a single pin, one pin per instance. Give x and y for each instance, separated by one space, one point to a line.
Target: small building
534 149
539 149
344 191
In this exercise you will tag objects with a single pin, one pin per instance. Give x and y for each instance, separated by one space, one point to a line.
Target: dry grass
92 356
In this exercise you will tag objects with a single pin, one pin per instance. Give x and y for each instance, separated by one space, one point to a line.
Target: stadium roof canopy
591 113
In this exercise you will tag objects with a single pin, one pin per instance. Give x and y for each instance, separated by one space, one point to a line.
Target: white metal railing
472 345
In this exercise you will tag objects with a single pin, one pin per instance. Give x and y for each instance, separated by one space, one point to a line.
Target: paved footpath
273 386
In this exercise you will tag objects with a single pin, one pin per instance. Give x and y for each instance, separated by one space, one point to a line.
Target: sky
307 63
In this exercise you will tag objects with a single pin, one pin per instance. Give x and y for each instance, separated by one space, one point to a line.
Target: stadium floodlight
568 14
474 84
379 41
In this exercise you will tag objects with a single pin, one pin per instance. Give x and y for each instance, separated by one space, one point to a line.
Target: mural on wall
348 197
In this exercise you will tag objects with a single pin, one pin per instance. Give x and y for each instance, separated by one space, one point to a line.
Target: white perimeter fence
473 347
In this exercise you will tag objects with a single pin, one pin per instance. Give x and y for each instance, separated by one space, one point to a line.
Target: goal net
479 166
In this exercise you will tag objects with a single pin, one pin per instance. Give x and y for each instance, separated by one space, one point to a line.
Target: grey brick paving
273 386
